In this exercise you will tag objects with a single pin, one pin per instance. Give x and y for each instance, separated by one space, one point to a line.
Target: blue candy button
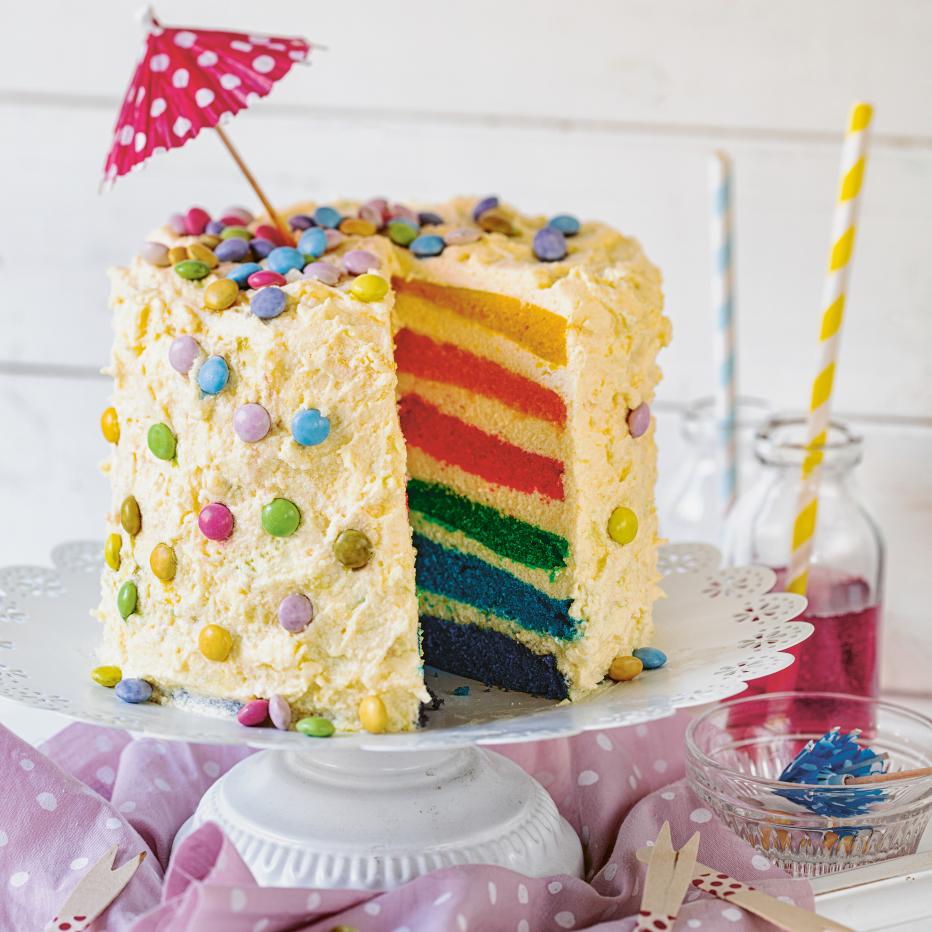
549 245
651 657
242 272
427 245
213 375
309 427
133 691
313 242
327 217
567 224
285 258
268 303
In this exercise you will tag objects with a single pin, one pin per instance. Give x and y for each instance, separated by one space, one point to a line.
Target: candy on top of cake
260 546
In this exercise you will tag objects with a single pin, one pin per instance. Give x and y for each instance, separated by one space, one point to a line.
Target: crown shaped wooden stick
95 891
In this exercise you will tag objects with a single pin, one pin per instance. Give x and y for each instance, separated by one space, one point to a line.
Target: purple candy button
182 354
261 247
232 250
301 222
549 245
280 712
322 272
639 419
251 422
359 261
487 203
295 612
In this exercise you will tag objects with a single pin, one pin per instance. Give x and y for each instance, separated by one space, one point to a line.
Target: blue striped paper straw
723 304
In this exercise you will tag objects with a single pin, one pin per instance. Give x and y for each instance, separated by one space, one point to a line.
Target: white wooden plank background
606 108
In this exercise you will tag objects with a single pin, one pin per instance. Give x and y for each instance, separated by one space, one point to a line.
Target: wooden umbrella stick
266 203
888 777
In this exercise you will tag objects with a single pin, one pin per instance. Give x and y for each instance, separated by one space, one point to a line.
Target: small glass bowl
736 751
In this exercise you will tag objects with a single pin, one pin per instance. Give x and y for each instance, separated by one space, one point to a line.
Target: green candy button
280 517
161 441
192 269
126 598
315 727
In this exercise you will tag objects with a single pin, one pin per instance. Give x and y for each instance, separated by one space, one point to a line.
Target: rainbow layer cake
401 439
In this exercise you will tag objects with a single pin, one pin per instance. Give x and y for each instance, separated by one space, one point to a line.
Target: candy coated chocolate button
133 691
639 420
215 643
323 272
651 657
623 525
280 712
369 287
110 425
155 254
126 599
359 261
283 259
327 217
112 549
427 245
373 716
313 242
213 376
221 294
232 250
295 612
352 548
280 517
549 245
130 516
487 203
161 441
251 422
182 353
192 269
240 274
200 253
309 427
625 668
215 521
163 562
315 727
253 713
268 303
567 224
107 676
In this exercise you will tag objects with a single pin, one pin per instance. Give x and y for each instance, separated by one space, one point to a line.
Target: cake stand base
373 820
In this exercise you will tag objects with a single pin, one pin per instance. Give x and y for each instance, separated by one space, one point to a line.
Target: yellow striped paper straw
853 160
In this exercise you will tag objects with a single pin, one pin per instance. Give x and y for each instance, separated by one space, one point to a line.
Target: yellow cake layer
489 415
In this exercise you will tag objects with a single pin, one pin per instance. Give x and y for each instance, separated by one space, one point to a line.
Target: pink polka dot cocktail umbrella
189 79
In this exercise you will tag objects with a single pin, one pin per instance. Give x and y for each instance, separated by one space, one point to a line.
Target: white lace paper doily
718 627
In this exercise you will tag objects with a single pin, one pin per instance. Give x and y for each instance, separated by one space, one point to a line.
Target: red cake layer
450 440
442 362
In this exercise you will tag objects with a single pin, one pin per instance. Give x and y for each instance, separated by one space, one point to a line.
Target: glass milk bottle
845 585
692 506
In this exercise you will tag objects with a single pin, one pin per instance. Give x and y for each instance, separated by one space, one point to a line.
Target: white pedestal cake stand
374 811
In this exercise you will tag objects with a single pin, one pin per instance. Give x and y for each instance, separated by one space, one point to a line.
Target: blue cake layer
490 657
466 578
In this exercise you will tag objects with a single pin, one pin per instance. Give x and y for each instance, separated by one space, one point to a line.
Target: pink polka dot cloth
89 788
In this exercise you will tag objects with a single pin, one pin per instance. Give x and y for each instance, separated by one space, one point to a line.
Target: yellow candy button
625 668
112 551
221 294
623 525
177 254
201 253
373 716
110 425
369 287
107 676
130 516
163 562
215 643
